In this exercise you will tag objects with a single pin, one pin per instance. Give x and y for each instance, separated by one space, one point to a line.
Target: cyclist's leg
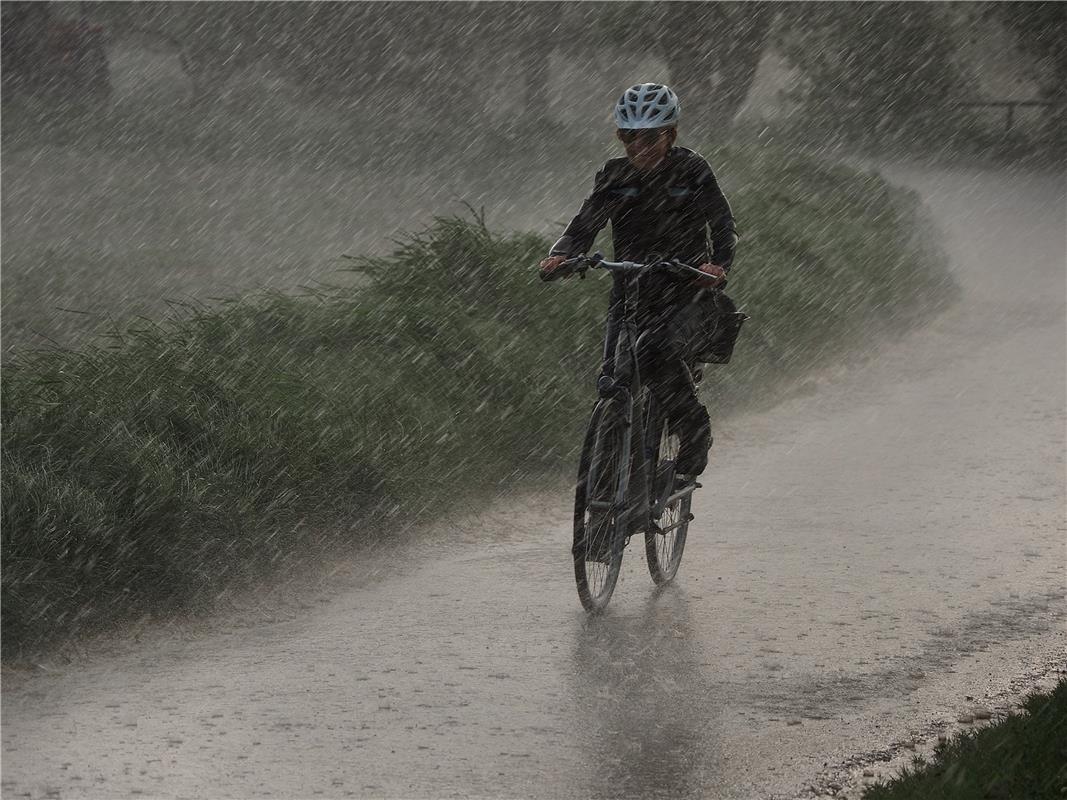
688 419
662 367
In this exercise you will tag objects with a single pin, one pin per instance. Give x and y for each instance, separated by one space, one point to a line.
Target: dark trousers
669 341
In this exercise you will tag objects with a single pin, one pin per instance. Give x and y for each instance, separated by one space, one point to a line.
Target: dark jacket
665 214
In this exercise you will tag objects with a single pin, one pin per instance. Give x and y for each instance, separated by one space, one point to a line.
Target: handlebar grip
562 271
568 267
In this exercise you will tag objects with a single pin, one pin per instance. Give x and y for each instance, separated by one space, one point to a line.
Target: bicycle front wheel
598 505
665 543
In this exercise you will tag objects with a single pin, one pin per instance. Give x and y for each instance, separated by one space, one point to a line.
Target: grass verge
176 461
1023 757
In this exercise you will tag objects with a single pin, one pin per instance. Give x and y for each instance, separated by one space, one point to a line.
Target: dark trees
876 72
713 50
1040 31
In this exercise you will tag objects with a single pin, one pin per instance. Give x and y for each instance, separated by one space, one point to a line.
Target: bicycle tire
603 474
663 551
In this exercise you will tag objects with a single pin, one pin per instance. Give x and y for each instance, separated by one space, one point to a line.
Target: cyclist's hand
550 264
716 276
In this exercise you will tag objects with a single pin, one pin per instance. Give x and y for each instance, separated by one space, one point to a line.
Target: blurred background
167 151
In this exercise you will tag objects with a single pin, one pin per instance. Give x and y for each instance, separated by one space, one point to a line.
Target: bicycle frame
625 481
620 381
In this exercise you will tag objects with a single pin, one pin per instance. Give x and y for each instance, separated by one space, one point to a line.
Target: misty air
533 400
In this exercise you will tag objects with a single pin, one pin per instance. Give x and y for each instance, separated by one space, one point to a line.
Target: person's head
646 117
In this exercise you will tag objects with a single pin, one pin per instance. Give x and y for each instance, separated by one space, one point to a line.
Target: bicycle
626 483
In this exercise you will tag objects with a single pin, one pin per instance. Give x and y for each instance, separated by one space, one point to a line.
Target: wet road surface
867 556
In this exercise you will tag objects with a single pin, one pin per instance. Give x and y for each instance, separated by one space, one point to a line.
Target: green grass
183 459
830 259
1024 757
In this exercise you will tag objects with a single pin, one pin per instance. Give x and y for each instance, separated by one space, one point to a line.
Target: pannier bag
723 323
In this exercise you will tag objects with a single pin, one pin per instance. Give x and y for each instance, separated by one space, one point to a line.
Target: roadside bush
175 462
881 74
1021 756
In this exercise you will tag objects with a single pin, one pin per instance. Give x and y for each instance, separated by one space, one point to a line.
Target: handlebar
580 264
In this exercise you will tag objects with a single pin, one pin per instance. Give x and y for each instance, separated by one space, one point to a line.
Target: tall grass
1022 756
179 459
831 260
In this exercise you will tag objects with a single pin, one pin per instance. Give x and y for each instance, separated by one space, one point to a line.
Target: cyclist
662 201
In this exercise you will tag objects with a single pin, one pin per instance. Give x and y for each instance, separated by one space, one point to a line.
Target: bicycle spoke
664 545
596 559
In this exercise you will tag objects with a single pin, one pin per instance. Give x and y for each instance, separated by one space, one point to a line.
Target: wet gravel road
871 553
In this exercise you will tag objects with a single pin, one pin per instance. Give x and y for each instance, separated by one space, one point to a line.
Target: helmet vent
647 105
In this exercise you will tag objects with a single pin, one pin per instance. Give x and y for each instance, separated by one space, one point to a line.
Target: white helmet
647 105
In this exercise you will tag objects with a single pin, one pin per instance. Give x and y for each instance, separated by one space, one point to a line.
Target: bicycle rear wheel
665 543
598 518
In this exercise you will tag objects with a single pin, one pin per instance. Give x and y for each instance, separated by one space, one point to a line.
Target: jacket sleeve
593 215
720 219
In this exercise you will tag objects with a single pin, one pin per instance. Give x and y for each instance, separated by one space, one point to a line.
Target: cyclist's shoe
684 480
694 459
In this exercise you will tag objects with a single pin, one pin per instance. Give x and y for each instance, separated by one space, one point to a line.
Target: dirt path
872 554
